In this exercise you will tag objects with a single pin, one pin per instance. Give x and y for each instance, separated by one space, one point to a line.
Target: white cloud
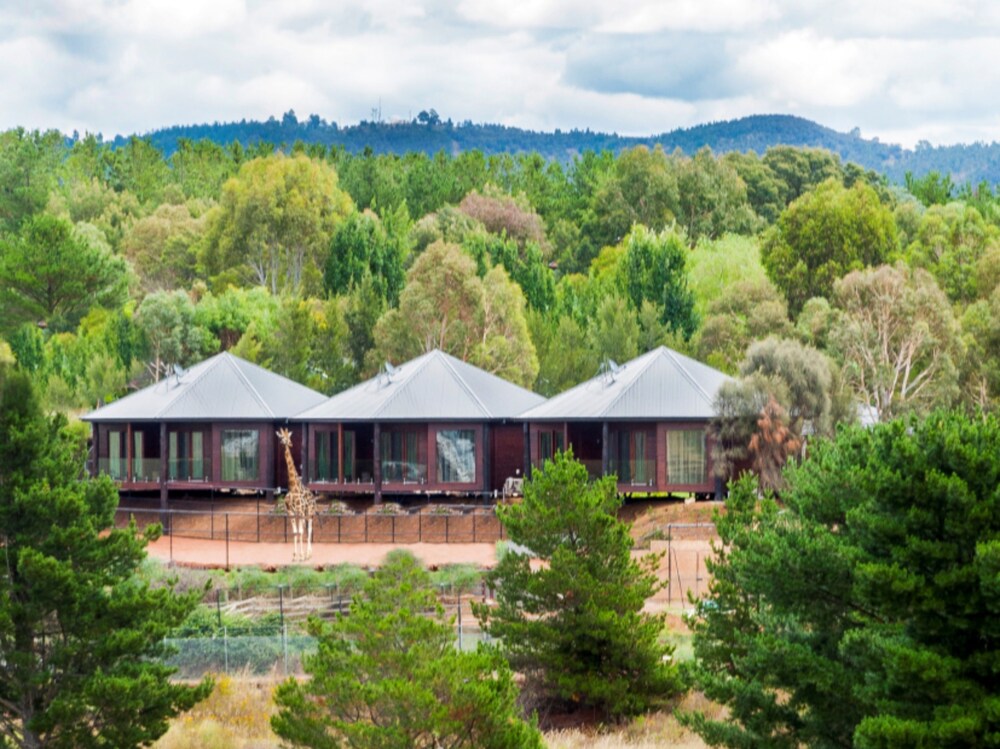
907 70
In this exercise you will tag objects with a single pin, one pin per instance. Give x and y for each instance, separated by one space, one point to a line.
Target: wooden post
128 452
377 461
304 468
487 460
527 450
605 448
164 448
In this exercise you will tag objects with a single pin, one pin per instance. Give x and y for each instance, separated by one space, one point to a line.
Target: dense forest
820 284
428 133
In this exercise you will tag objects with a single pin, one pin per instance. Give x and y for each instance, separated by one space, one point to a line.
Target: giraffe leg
309 538
296 538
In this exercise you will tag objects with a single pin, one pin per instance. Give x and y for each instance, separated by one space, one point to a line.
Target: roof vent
179 372
386 374
608 371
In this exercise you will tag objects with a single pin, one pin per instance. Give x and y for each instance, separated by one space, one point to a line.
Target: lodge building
433 426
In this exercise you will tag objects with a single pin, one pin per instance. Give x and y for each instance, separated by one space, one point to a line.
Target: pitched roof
661 384
432 387
224 387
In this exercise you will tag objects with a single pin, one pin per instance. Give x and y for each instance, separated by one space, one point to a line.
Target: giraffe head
285 437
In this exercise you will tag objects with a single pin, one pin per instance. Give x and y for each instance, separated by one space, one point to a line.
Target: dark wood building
211 427
433 425
646 421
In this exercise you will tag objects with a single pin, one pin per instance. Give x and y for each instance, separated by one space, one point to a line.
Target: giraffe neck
294 485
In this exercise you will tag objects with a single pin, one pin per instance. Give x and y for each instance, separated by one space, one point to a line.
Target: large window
327 457
240 455
686 457
456 456
350 457
549 443
628 457
400 457
186 457
117 460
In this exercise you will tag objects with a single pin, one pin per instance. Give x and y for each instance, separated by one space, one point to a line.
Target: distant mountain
965 163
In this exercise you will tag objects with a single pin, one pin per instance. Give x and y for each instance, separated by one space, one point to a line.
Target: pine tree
864 611
80 633
574 625
389 675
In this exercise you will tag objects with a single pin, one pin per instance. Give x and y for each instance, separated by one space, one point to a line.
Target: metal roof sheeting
432 387
223 388
660 385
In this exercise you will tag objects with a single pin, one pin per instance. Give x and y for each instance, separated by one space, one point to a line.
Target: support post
304 468
605 451
487 461
377 461
164 448
527 450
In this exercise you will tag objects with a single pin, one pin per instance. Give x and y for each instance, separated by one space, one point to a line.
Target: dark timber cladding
432 425
646 421
210 427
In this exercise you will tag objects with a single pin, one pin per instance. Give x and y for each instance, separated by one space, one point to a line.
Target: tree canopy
863 610
81 635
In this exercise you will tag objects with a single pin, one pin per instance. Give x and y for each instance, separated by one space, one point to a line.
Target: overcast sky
902 70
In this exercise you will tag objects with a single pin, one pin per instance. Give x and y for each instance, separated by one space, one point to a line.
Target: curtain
686 457
456 456
240 454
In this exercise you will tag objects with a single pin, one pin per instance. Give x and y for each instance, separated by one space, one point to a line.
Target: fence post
171 537
284 645
340 519
460 621
227 542
258 519
281 603
446 526
366 526
211 532
670 569
420 524
394 529
225 646
473 526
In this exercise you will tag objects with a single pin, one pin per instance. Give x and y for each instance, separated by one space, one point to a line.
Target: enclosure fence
458 524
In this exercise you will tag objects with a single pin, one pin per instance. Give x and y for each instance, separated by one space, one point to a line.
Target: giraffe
300 504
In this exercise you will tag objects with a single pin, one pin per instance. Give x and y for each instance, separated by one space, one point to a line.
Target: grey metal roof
658 385
432 387
223 388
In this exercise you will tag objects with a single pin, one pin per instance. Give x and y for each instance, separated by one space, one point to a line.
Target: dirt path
201 553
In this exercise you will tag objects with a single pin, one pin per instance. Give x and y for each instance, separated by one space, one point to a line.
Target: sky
899 70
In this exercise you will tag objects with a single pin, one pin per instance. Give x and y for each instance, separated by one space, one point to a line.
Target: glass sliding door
327 457
686 462
400 457
456 456
550 442
628 459
117 459
240 455
186 456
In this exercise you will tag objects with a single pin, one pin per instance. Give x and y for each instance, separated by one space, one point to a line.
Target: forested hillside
429 134
816 281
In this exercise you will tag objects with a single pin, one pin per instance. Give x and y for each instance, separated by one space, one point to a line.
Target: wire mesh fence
436 524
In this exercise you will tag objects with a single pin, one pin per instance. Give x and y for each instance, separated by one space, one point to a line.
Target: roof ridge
445 358
687 375
232 361
638 374
385 404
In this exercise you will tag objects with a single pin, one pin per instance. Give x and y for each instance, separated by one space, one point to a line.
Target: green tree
28 162
749 311
170 332
363 246
389 675
446 306
49 273
162 247
81 635
712 198
824 235
574 625
274 222
863 611
565 357
898 340
652 267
